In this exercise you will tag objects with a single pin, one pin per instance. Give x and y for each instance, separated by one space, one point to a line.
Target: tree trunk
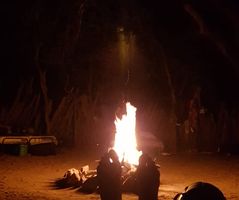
171 139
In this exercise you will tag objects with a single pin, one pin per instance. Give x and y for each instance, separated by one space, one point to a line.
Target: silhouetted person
147 178
200 191
109 177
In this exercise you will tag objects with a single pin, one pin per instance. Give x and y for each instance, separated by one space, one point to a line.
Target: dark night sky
25 24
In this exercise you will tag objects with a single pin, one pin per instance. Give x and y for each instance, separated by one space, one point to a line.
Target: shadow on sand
62 183
88 187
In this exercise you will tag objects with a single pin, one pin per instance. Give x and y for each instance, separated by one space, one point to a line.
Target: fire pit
125 145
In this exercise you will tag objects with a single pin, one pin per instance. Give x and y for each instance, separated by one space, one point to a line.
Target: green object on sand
23 149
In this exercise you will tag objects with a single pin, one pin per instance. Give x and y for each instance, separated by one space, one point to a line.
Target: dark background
210 58
76 43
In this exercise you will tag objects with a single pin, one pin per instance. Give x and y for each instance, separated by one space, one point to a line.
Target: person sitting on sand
147 178
109 177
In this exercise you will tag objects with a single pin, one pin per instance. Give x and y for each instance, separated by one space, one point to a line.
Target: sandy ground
31 177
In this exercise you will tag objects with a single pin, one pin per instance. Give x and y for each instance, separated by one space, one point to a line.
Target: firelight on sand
125 143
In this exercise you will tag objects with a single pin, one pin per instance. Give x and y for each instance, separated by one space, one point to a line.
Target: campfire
125 143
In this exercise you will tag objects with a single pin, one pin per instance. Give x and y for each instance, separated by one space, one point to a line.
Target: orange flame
125 143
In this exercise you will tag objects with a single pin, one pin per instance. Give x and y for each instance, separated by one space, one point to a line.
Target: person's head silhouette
200 191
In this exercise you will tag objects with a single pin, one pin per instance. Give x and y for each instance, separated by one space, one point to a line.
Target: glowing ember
125 139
